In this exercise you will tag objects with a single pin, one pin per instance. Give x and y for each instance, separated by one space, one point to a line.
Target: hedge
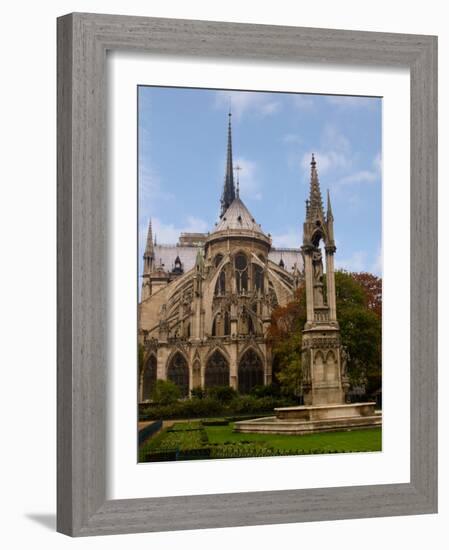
209 407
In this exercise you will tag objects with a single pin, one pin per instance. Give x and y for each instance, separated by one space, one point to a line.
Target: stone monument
324 360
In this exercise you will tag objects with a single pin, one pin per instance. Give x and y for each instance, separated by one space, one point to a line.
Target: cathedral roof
165 255
238 217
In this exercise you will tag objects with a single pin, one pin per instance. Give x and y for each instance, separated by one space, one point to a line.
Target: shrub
244 404
211 407
198 393
223 394
269 390
165 392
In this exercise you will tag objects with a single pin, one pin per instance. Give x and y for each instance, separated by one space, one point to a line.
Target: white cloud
377 266
356 262
244 102
332 138
169 233
326 160
292 238
363 176
360 262
334 153
250 185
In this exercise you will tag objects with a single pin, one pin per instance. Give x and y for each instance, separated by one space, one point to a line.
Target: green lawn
222 442
357 440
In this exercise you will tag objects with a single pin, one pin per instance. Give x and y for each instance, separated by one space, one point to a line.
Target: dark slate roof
166 254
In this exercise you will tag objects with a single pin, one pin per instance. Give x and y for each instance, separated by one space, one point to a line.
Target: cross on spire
237 169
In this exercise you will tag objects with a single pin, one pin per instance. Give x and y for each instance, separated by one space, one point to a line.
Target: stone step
272 425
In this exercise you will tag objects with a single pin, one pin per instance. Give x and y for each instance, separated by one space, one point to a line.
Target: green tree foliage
361 333
361 330
285 335
165 392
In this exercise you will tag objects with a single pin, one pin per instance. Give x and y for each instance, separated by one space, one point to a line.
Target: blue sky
182 150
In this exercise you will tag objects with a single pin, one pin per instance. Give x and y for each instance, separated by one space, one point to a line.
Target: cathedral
206 302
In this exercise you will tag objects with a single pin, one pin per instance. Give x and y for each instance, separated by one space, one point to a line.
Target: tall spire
315 203
330 223
229 188
148 256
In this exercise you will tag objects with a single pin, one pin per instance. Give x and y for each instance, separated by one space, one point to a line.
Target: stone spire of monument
228 194
315 202
330 215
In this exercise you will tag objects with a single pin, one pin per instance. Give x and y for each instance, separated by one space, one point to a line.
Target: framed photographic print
243 347
246 274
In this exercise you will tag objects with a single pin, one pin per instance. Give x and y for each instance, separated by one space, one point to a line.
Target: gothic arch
241 266
257 277
220 285
250 370
331 366
178 371
221 350
317 236
149 377
218 258
217 370
319 366
178 349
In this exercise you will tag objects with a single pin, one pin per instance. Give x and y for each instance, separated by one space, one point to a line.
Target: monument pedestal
314 419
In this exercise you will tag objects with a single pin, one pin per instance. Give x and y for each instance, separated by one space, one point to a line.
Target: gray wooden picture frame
83 40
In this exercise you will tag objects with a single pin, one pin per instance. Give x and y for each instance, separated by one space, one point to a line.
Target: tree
372 286
285 336
360 328
359 316
288 370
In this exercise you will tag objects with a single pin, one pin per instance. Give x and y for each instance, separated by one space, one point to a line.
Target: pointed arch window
241 273
178 373
227 324
258 277
217 371
250 371
149 377
220 286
